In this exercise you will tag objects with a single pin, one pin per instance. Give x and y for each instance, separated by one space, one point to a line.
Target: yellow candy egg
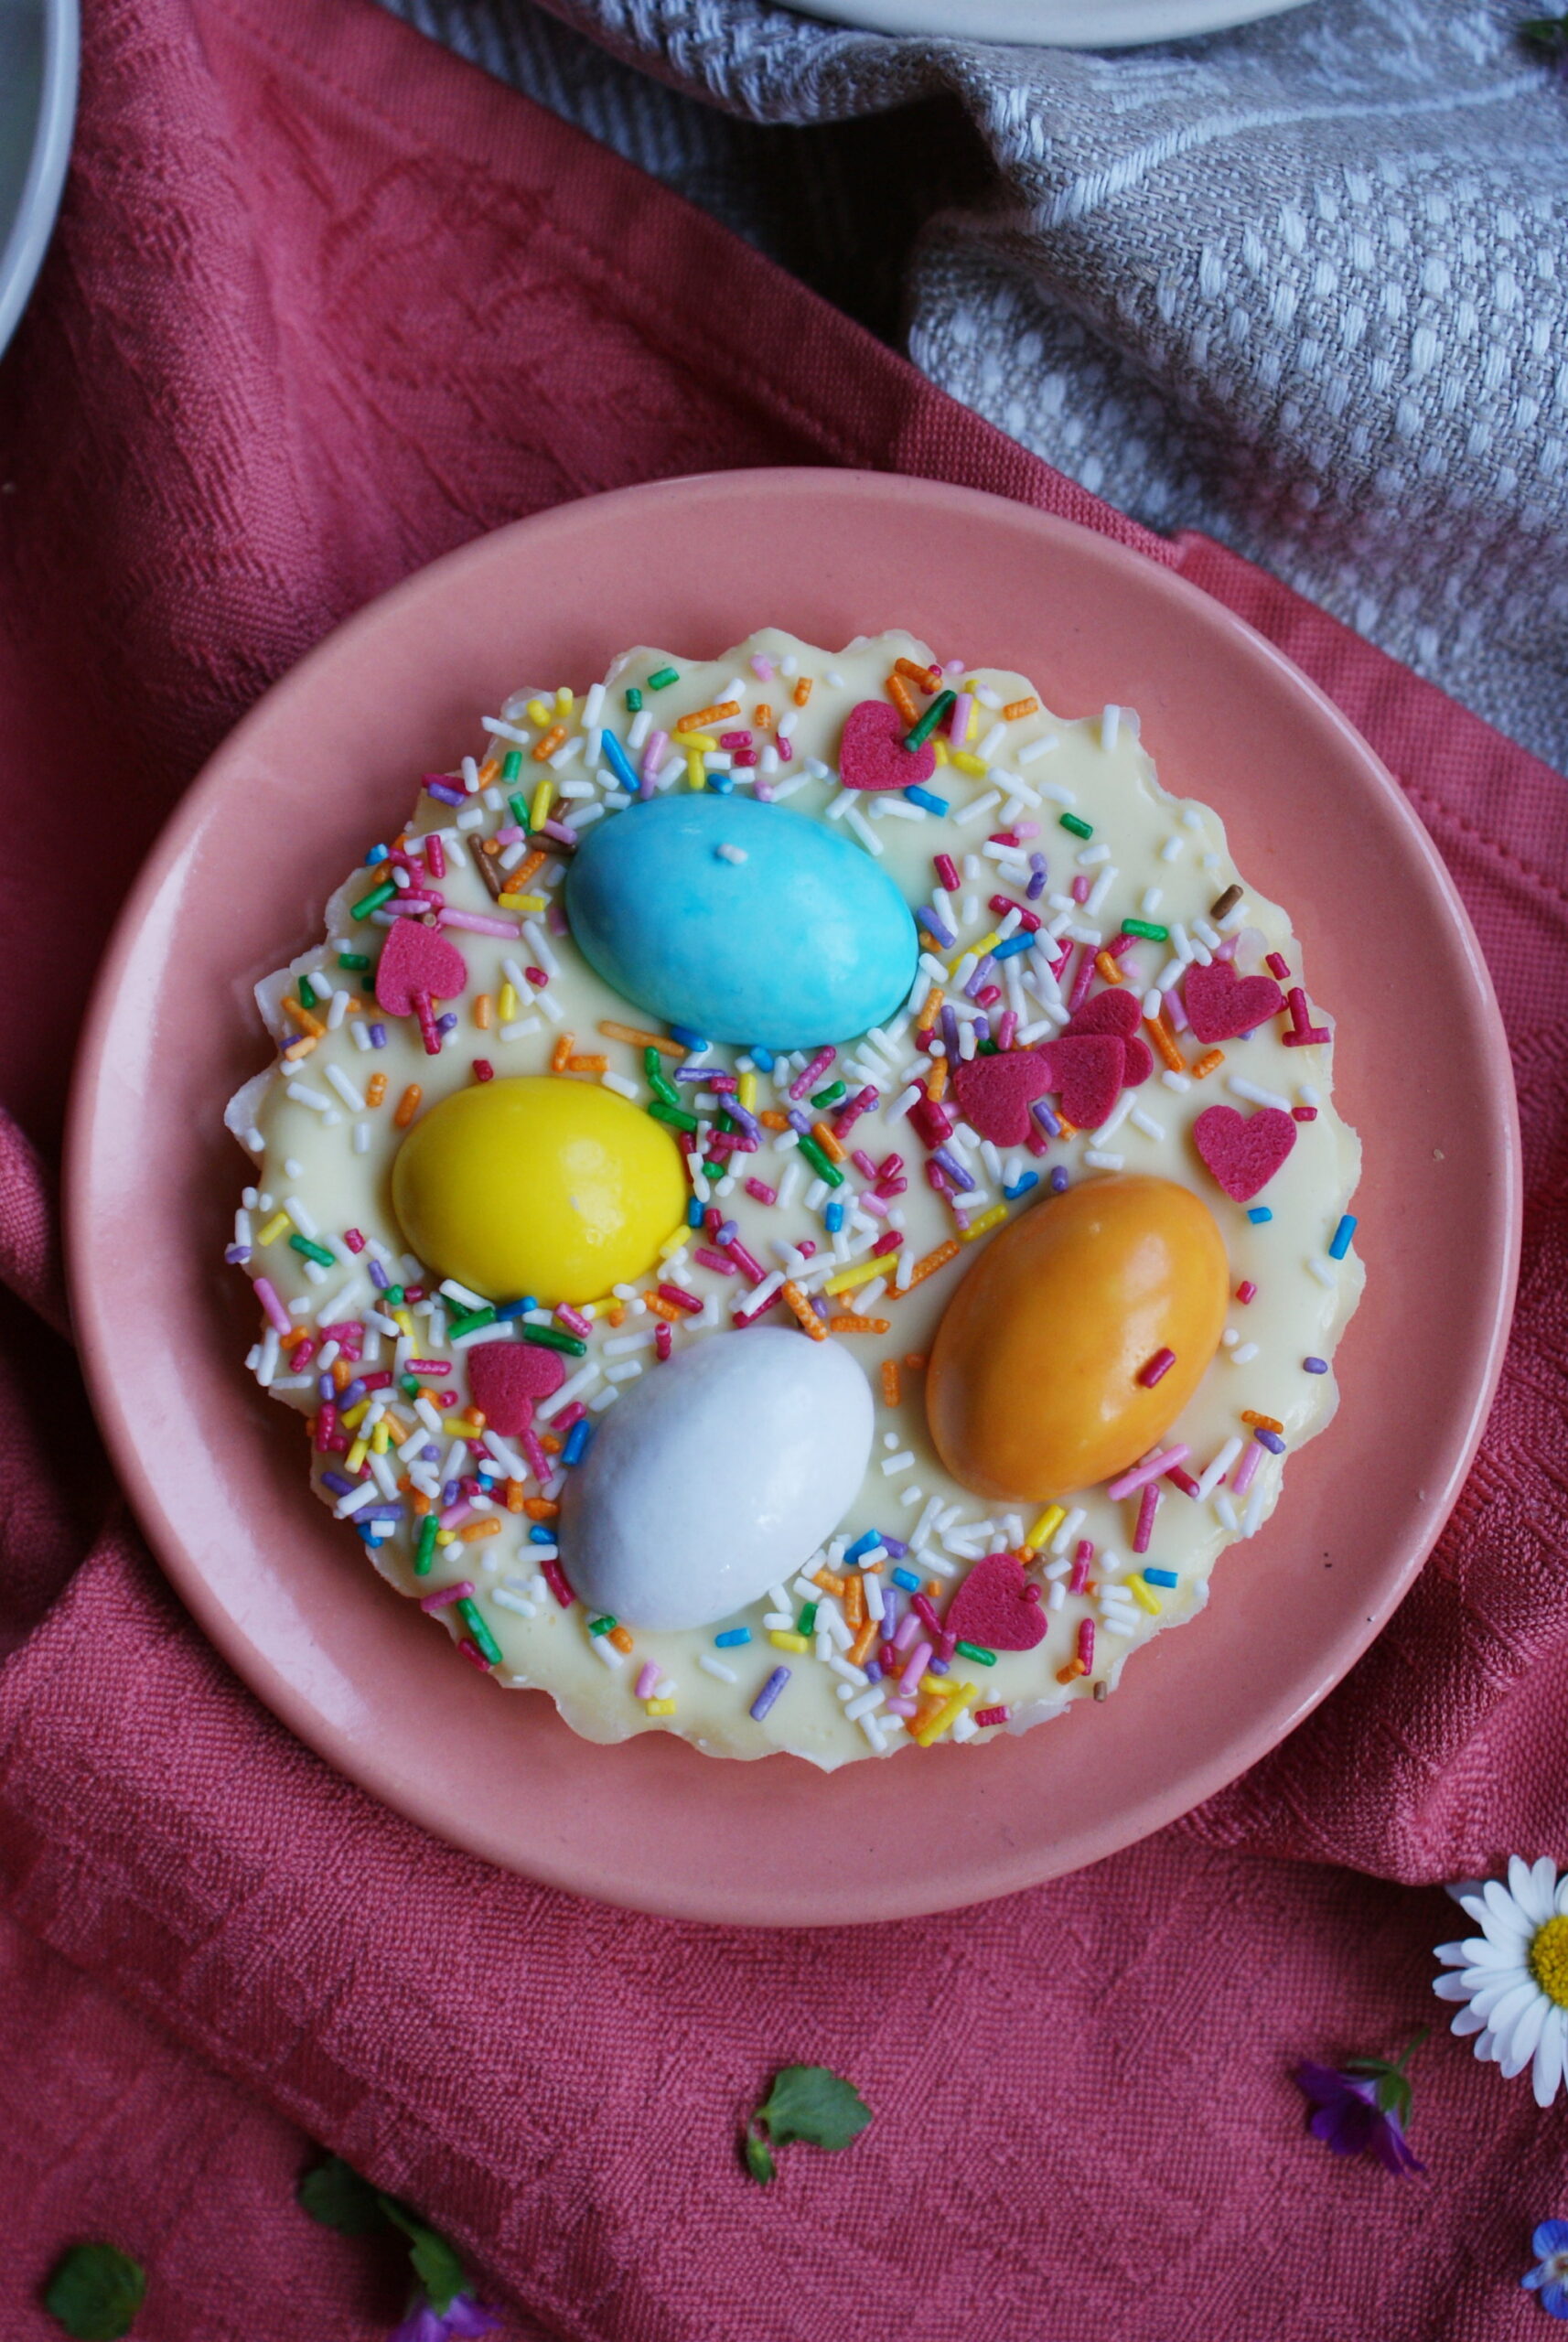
1033 1388
541 1186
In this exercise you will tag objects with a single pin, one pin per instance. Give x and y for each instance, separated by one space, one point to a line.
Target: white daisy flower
1512 1979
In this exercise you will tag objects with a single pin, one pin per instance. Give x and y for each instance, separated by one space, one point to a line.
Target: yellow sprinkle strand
958 1698
273 1229
985 1223
1046 1527
860 1273
1145 1598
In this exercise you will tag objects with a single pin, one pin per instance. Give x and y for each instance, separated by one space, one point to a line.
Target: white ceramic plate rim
28 234
1049 24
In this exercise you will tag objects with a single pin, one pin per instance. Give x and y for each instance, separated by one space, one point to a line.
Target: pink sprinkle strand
1157 1367
1148 1505
647 1679
1086 1644
1080 1561
462 1591
1247 1469
1141 1474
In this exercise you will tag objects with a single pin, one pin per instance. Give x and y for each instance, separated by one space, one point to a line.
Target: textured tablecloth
1301 285
324 303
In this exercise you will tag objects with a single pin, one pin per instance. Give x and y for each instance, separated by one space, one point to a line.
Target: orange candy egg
1033 1388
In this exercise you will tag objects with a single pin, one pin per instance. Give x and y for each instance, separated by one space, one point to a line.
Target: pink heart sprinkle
994 1093
1114 1010
1243 1151
872 754
415 959
1138 1061
1221 1006
996 1607
1086 1072
506 1378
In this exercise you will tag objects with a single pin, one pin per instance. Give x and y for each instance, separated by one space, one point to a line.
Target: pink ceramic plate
328 762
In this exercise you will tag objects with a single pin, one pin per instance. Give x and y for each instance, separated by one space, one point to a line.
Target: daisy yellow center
1549 1961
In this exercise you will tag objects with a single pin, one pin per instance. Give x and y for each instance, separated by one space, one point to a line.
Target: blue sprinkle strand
1342 1235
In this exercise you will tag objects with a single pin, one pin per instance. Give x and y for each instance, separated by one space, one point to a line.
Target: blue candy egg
748 922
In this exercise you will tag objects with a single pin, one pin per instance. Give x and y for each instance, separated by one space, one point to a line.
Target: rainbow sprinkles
800 1201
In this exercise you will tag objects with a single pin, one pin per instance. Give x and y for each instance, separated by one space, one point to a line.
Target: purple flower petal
1554 2298
1551 2236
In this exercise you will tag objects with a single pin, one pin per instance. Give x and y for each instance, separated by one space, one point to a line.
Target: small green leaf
813 2103
95 2292
435 2264
1548 36
336 2196
758 2161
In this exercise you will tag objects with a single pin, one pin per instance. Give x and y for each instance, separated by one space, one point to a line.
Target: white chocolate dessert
800 1200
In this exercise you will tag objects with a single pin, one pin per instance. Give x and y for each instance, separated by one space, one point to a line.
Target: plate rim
292 1706
27 238
1049 24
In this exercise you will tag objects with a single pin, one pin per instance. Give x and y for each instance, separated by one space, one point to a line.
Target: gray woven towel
1302 284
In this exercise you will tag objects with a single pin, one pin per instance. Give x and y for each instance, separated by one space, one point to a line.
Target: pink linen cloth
324 302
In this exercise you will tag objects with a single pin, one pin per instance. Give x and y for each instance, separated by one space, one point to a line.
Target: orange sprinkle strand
932 1263
546 748
659 1307
564 1044
484 1009
342 1374
515 1499
842 1323
830 1582
1165 1044
587 1065
770 1118
1260 1423
634 1035
473 1531
1108 968
854 1600
375 1089
517 878
298 1049
490 772
541 1507
1207 1063
891 1391
706 716
802 689
929 678
1071 1671
762 715
860 1651
408 1106
621 1640
1017 709
937 1079
915 1360
303 1019
805 1316
899 694
827 1142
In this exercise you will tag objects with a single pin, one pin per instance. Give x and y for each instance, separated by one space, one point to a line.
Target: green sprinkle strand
374 900
824 1165
676 1116
663 679
518 804
633 700
830 1095
552 1338
1147 929
468 1611
980 1656
512 764
921 732
312 1251
1078 825
424 1551
357 961
468 1321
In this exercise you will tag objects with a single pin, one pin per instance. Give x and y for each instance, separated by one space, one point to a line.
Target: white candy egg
715 1476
